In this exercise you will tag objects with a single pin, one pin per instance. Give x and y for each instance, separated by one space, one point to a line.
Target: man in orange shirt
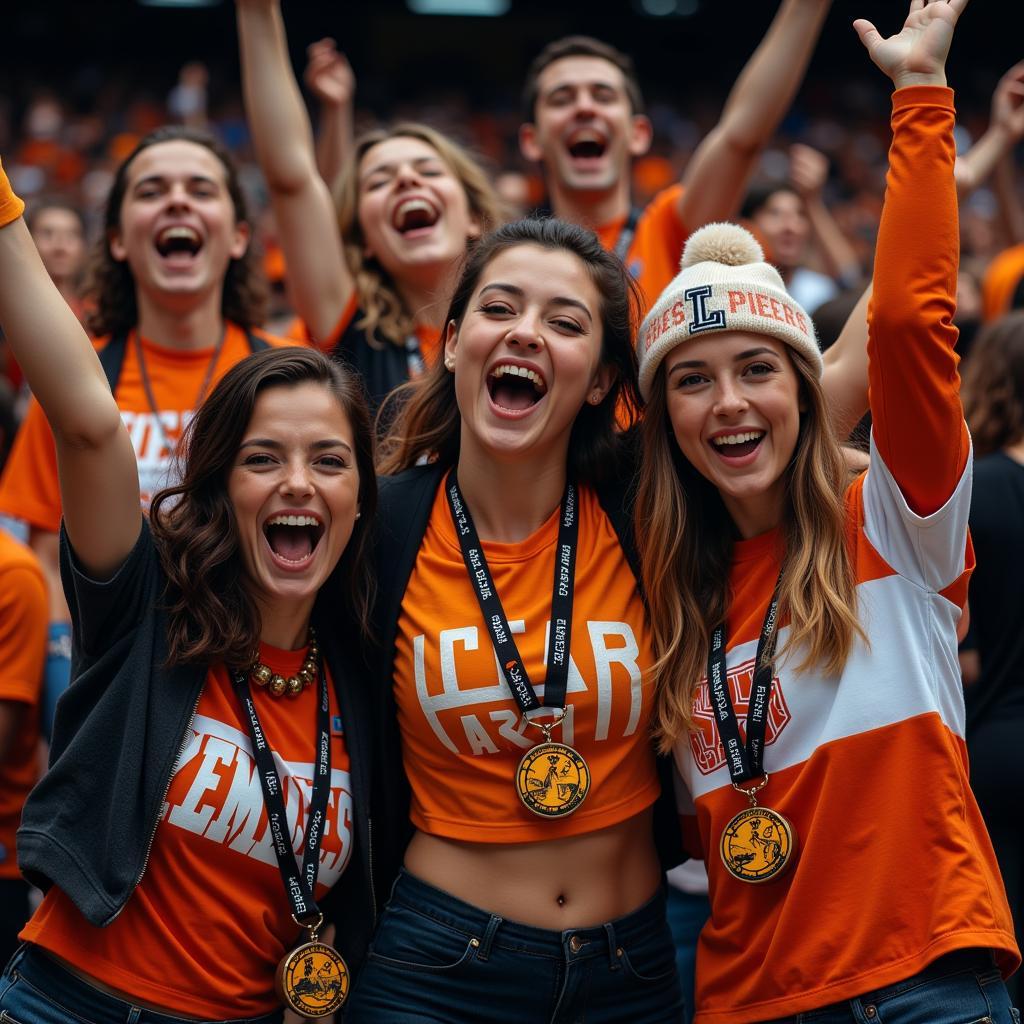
22 650
177 298
586 124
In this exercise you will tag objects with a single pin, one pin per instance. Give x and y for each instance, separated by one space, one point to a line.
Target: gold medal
757 845
553 779
313 979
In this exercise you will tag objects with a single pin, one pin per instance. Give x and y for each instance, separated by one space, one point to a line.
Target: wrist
907 79
11 206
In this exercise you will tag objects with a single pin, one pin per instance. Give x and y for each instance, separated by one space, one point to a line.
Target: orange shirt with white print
29 487
23 616
462 732
893 866
206 927
652 257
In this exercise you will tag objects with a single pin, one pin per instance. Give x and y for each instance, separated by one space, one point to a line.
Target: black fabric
382 365
996 593
88 824
112 355
405 501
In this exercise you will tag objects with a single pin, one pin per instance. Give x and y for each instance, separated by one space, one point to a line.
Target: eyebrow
560 300
592 83
316 446
691 364
390 165
161 178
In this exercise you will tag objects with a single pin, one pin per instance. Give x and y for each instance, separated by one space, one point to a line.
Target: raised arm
99 478
329 77
319 282
918 426
716 177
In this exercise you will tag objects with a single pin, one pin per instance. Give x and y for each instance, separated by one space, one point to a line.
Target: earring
358 514
449 363
595 398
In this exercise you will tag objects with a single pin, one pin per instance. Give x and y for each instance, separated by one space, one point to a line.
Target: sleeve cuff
922 96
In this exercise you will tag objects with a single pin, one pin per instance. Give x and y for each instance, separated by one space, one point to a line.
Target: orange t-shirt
29 487
206 927
1001 279
462 731
23 616
653 255
428 337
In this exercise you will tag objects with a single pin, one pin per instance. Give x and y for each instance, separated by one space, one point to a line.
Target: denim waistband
493 930
82 1000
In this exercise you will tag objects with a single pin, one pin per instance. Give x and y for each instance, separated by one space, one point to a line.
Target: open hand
916 55
1008 102
808 170
329 75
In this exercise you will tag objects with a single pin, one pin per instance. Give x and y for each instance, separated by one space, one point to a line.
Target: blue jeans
963 987
436 958
36 990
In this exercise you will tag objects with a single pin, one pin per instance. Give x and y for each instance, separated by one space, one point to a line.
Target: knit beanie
723 285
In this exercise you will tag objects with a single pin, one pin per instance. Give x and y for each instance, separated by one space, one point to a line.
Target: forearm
277 115
836 252
845 377
334 140
977 164
1004 184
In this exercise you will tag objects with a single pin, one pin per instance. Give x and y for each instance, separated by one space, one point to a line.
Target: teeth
507 369
750 435
179 232
413 204
283 520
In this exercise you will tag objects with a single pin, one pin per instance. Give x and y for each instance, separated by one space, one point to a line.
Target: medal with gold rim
313 979
758 844
552 779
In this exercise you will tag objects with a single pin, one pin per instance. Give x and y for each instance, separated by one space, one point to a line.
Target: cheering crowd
596 601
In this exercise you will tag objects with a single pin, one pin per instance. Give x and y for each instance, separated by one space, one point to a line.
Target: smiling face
58 236
733 400
413 211
294 488
177 229
584 130
783 222
527 354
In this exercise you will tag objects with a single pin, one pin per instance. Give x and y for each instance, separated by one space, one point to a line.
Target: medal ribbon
745 762
560 632
299 885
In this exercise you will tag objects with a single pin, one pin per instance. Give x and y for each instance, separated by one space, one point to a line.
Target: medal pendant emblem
552 779
757 845
313 979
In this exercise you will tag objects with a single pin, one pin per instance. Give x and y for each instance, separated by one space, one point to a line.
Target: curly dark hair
993 388
213 617
109 282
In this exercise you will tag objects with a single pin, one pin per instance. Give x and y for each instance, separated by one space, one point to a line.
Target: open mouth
414 215
735 446
178 240
293 538
587 146
515 388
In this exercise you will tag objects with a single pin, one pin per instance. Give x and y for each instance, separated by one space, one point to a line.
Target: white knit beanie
723 285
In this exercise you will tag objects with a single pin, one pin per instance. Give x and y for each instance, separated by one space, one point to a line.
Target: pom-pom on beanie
723 284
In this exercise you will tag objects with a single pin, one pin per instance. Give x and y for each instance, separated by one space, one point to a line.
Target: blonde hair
687 546
385 317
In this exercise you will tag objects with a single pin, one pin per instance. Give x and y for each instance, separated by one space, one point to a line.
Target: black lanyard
744 762
625 239
299 885
560 633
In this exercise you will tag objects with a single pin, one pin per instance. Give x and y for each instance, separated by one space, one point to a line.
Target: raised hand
808 170
1008 102
329 75
916 55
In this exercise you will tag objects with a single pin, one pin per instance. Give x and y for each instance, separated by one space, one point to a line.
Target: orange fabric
893 865
23 618
462 732
209 922
29 488
1003 275
653 256
11 206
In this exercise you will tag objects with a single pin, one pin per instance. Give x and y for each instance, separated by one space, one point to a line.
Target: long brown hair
428 424
213 617
686 547
109 282
993 387
385 317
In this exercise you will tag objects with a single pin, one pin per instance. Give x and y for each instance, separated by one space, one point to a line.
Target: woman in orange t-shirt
805 624
370 279
208 797
514 633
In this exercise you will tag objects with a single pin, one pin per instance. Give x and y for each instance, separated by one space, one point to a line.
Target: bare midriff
575 882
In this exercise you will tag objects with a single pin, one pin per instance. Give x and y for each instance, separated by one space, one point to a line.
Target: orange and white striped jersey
893 866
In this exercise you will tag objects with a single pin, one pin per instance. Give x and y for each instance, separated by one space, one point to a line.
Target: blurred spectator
58 229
